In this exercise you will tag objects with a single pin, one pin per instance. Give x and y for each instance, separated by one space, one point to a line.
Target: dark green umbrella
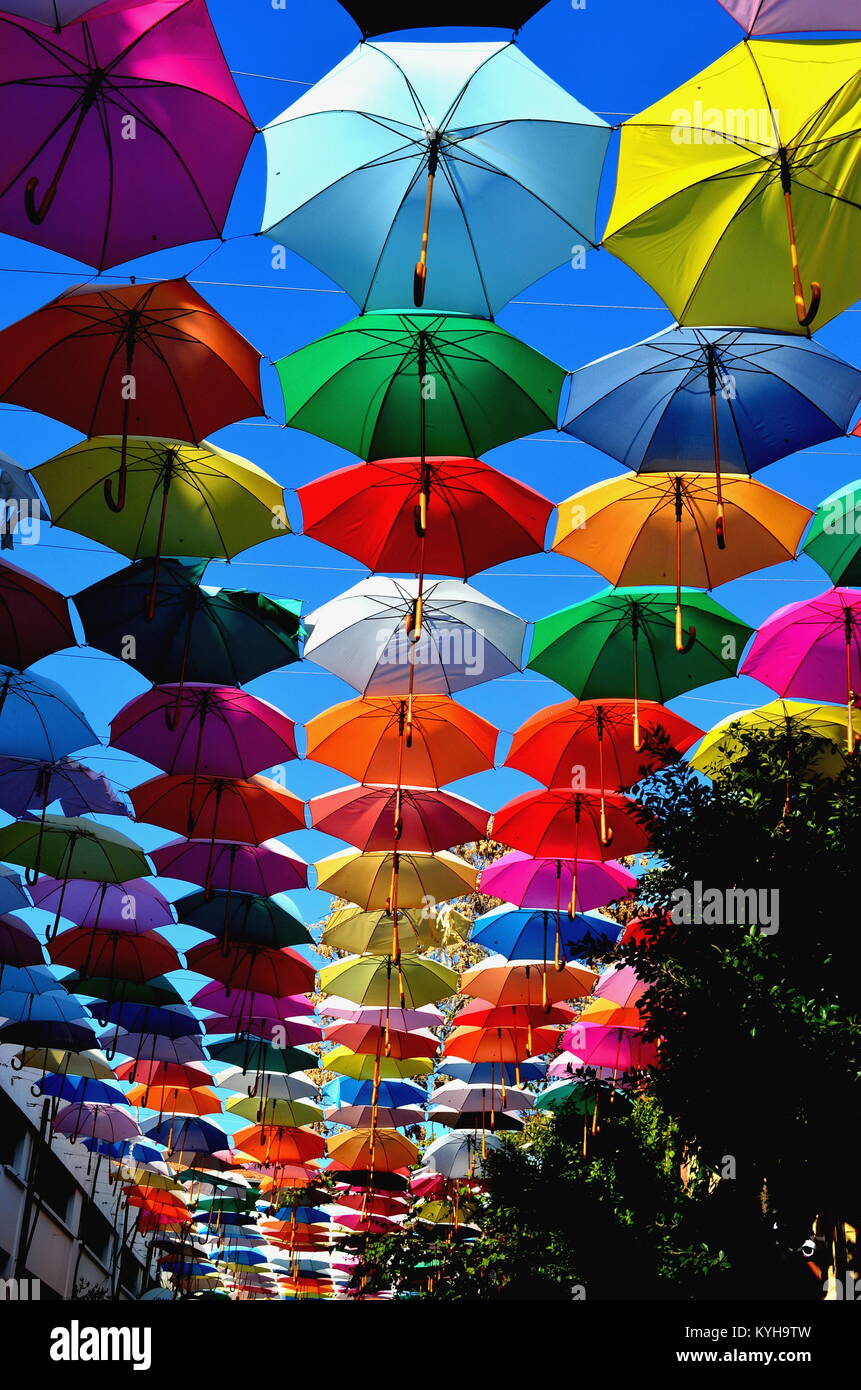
622 643
249 918
215 636
256 1054
387 385
834 538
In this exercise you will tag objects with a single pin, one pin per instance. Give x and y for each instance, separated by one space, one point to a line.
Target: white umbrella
459 1155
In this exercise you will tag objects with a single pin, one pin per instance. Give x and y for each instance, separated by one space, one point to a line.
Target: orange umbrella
500 1044
280 1144
366 1148
173 1100
526 982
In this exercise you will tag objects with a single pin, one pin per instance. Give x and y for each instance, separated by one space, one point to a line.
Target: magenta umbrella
401 1020
134 906
265 869
219 1000
620 1049
621 985
545 883
94 1121
291 1032
760 17
125 132
19 944
812 650
215 730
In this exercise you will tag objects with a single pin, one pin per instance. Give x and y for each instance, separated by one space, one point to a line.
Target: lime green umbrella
181 499
834 538
622 643
387 385
72 847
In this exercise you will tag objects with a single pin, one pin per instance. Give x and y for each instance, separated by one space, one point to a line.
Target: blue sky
616 56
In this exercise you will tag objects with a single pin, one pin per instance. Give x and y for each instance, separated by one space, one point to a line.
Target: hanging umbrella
480 1013
366 879
215 730
371 818
439 515
20 504
268 1084
254 968
624 642
175 1100
188 1133
395 1094
237 868
742 178
526 934
499 1044
262 1058
543 883
222 808
373 980
274 1112
224 636
459 1155
30 784
565 822
363 1148
71 847
106 1122
391 636
458 1096
834 539
363 1116
382 16
113 955
134 905
251 919
367 739
525 982
19 945
762 17
812 649
88 1063
34 618
12 891
668 527
465 156
622 985
38 718
366 1066
280 1144
73 97
354 929
386 384
794 720
621 1049
371 1039
178 499
222 999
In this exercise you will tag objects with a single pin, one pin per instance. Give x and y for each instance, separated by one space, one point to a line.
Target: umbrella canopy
252 919
545 883
457 1096
113 955
459 1155
30 784
461 638
365 1066
96 1121
524 934
19 945
363 1148
217 730
465 156
249 811
72 98
834 539
366 738
373 980
237 868
274 1112
39 719
499 1044
565 822
373 1040
721 203
253 968
360 932
366 879
760 17
526 982
280 1144
34 618
472 516
794 720
71 847
372 818
134 905
365 386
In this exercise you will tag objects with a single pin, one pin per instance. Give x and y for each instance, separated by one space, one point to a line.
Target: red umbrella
370 1040
500 1044
75 358
373 818
560 822
453 516
258 969
219 807
191 1075
34 618
114 955
480 1013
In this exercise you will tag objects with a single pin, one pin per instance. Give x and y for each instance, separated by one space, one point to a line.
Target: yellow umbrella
373 981
419 879
363 1066
721 745
274 1112
661 528
91 1064
354 929
366 1148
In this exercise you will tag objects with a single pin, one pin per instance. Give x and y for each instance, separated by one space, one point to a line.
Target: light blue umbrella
525 934
450 174
39 719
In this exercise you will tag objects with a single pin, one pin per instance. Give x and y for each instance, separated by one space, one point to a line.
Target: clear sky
616 56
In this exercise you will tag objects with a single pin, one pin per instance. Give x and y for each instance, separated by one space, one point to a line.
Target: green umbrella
579 1094
71 847
622 643
386 385
834 538
158 991
256 1054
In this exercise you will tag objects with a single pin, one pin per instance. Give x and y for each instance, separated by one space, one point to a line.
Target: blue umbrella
38 718
12 893
30 979
391 1096
68 1037
147 1018
78 1089
30 783
711 399
187 1133
493 1073
125 1149
49 1007
304 1215
522 934
466 156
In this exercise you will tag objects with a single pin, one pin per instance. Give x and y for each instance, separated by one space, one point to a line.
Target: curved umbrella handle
116 505
806 315
38 212
687 644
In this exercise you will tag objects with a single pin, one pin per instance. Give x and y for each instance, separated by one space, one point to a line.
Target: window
13 1135
96 1232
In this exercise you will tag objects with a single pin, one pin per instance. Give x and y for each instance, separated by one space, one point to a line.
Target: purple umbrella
266 869
19 944
29 784
217 1000
135 906
545 883
152 1047
95 1121
125 132
760 17
216 730
292 1032
812 650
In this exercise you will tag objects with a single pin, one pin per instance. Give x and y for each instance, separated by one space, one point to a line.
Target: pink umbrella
761 17
94 1121
373 818
134 906
621 985
812 650
266 869
622 1049
362 1116
401 1020
216 730
544 883
217 999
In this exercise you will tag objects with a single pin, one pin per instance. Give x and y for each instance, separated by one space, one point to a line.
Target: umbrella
20 505
668 527
381 16
812 649
793 720
834 539
71 847
252 919
480 1013
372 1039
499 1044
526 934
34 618
32 784
221 808
253 968
395 1094
216 730
366 1066
437 515
280 1144
620 1049
720 199
363 1116
237 868
72 98
396 636
367 879
175 1100
525 982
135 905
225 636
761 17
96 1121
373 738
179 499
12 890
371 818
466 156
88 1063
189 1132
373 980
221 999
459 1155
457 1096
542 883
262 1058
363 1148
270 1085
38 718
433 384
624 642
113 955
354 929
274 1112
19 945
404 1019
563 821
